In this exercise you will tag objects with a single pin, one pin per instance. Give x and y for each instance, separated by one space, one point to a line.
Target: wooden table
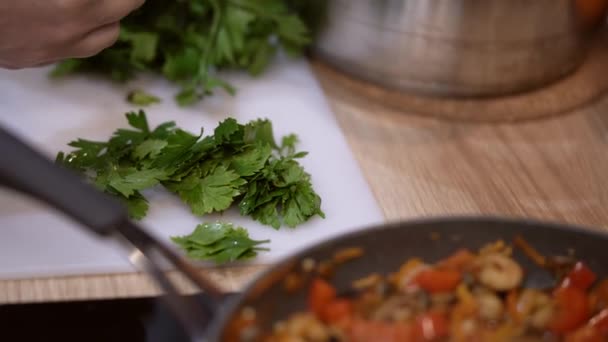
551 168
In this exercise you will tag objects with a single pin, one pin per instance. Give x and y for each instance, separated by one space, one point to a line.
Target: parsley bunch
219 242
239 163
188 41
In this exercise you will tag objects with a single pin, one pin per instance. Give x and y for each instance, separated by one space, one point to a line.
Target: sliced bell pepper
572 310
581 276
435 280
321 294
599 296
596 330
600 322
337 310
457 261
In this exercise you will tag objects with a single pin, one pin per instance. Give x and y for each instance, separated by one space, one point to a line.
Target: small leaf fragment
142 98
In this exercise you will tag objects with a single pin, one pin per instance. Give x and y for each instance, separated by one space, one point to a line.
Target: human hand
38 32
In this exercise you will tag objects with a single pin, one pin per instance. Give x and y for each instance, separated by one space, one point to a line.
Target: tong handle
25 170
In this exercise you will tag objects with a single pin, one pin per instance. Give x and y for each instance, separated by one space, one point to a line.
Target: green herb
142 98
189 41
219 242
238 164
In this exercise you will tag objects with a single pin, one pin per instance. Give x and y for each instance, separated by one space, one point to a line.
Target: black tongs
27 171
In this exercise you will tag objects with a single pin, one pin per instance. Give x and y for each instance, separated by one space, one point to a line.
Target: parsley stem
203 71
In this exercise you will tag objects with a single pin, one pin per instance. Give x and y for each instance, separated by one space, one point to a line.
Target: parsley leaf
130 180
283 189
215 192
144 46
219 242
149 148
141 98
137 205
252 160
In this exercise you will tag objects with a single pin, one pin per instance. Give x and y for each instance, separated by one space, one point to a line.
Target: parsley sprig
219 242
188 41
238 164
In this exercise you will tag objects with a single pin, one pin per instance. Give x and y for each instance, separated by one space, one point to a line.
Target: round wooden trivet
585 85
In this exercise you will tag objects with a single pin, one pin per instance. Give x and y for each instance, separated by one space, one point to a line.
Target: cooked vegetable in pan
468 296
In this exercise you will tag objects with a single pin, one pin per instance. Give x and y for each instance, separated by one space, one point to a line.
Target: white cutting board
35 241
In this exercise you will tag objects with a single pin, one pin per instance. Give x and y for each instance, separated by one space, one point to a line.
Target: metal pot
459 47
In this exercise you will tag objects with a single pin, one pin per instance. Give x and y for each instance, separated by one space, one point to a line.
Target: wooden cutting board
35 241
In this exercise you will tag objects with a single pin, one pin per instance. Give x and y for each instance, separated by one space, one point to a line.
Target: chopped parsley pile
188 41
238 165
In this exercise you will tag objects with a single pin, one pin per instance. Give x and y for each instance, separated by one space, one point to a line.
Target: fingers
94 42
86 45
25 64
103 28
36 32
107 12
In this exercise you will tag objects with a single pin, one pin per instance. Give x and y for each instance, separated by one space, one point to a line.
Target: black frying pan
386 247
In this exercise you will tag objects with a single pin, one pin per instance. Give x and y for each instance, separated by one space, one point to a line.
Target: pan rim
228 308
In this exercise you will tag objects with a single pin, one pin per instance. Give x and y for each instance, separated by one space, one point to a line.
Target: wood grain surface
418 165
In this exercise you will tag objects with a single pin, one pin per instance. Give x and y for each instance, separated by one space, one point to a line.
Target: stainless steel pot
459 47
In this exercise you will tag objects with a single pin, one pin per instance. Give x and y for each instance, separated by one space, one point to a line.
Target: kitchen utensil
459 47
25 170
386 247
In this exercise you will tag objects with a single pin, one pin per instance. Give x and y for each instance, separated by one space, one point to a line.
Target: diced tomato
572 310
365 331
434 280
337 310
600 322
580 276
430 327
599 296
457 261
321 294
